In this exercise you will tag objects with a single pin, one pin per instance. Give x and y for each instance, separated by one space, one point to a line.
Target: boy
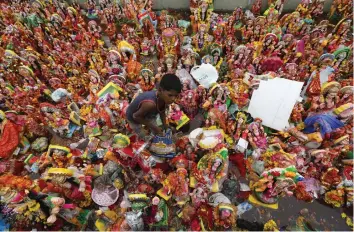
143 110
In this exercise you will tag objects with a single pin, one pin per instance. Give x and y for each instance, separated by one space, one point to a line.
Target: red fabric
240 163
18 167
195 225
42 184
106 118
76 194
76 152
244 195
58 225
314 88
9 139
150 219
163 166
327 136
143 166
205 213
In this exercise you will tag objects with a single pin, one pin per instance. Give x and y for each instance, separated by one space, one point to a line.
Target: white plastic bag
206 75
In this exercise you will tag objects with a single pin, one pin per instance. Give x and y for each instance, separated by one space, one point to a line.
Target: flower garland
335 197
15 182
207 17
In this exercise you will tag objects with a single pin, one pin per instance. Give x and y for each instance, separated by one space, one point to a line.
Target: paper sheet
274 101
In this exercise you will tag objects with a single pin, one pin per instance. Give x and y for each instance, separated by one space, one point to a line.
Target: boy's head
170 88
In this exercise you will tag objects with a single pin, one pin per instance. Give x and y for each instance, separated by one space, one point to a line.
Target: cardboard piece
274 101
110 88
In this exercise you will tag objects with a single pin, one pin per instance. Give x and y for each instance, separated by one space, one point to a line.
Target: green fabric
83 215
228 102
164 221
350 155
303 225
33 20
342 50
139 205
224 153
238 26
268 130
10 46
335 18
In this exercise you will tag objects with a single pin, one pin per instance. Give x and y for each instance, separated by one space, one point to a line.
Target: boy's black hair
171 82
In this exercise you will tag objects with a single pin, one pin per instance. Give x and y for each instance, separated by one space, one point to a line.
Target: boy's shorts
140 131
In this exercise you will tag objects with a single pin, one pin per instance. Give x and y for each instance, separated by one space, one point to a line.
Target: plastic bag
243 207
258 167
59 94
163 146
206 75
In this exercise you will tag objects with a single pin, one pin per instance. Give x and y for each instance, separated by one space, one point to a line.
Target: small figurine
256 135
341 59
273 183
256 7
159 214
176 185
316 8
91 9
330 178
271 15
199 196
147 24
202 39
237 16
170 63
177 116
188 58
10 136
347 183
210 171
239 93
204 12
145 47
56 203
340 9
225 216
147 80
269 42
291 72
346 95
73 20
218 94
134 220
113 63
216 53
297 113
329 96
189 103
168 44
319 76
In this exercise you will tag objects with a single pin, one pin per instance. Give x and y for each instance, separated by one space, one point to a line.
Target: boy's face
168 96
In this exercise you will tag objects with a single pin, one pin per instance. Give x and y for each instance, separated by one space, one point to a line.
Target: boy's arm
139 116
